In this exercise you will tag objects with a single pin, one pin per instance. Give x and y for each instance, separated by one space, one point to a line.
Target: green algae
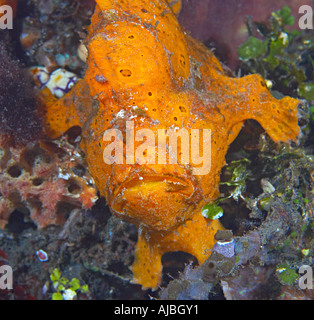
281 54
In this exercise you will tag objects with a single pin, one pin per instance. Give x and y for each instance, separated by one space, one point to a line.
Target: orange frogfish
158 112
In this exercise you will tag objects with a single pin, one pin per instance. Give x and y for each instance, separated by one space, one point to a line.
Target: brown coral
20 121
47 179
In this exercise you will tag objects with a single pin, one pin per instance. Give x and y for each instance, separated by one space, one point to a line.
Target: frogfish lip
157 201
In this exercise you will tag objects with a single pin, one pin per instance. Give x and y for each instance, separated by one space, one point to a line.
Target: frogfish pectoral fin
147 267
196 237
252 100
62 114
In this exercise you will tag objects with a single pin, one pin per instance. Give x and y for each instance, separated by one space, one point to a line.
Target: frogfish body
147 80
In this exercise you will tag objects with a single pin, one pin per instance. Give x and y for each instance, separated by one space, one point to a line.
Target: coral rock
47 179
